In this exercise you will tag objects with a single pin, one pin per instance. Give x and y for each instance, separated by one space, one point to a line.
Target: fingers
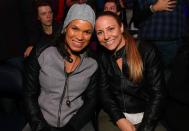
26 53
171 5
28 50
165 5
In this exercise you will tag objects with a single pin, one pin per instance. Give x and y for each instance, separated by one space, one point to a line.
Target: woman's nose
80 35
106 36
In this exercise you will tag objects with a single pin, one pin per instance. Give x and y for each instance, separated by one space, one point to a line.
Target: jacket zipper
61 100
122 90
122 86
64 92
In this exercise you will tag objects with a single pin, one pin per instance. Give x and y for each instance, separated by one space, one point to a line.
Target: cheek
116 34
100 38
87 37
43 18
69 34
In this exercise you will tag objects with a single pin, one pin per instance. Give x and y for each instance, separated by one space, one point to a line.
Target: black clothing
177 107
11 77
42 38
119 94
123 17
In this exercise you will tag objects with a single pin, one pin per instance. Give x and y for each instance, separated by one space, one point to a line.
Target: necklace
68 71
69 67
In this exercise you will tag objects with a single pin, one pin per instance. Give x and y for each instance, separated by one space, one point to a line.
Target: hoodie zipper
61 99
67 76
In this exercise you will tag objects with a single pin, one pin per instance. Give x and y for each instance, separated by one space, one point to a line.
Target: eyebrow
73 25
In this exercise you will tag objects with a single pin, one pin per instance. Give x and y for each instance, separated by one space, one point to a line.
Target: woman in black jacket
131 79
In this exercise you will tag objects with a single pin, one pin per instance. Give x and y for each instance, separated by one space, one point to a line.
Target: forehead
110 4
44 8
81 24
106 19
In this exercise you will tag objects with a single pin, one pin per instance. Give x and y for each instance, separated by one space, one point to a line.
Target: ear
122 28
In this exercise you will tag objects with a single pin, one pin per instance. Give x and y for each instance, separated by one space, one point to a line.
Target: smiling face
78 35
109 33
45 15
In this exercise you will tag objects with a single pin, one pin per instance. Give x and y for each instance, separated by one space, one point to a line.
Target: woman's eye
99 33
110 29
74 28
88 32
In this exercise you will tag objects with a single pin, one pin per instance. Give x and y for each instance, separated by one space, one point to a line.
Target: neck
71 66
74 56
47 29
72 53
122 44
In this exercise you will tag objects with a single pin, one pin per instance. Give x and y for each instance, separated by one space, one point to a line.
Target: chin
111 48
77 50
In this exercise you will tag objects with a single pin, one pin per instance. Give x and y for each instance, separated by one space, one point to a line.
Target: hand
164 5
125 125
28 51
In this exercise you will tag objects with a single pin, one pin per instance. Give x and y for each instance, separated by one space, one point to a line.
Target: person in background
58 9
131 82
60 79
178 83
47 27
113 6
162 23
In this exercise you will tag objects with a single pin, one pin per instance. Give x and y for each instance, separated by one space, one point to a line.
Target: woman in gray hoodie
60 84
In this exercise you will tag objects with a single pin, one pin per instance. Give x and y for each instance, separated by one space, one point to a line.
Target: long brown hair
133 56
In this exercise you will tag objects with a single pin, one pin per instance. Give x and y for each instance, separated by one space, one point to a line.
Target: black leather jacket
119 94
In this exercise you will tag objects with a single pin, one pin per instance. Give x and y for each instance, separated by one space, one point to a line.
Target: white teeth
104 43
107 43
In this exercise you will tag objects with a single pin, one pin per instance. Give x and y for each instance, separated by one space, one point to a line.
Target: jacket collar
119 54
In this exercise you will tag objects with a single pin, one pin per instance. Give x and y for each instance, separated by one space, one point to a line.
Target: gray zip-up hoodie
52 79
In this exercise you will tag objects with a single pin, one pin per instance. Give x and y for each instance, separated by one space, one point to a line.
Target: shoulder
57 27
33 58
41 47
91 59
146 47
149 52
